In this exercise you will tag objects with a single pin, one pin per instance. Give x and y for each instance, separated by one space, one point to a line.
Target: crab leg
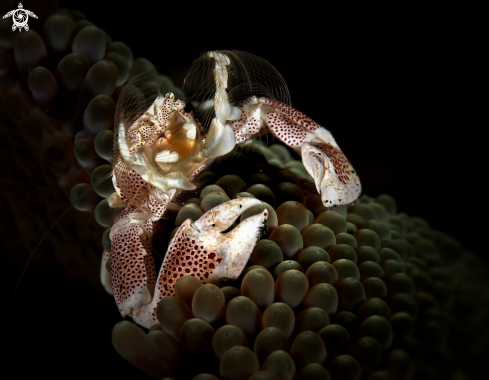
333 174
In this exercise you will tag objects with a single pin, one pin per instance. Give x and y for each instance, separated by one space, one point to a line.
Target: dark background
400 90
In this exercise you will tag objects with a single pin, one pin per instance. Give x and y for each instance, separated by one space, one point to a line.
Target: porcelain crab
159 151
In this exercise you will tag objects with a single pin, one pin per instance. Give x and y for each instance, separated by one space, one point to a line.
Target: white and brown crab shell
157 150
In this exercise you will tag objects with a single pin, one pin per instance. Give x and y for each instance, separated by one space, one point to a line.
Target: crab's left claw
333 174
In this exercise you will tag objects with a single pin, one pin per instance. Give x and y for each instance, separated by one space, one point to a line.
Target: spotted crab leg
333 174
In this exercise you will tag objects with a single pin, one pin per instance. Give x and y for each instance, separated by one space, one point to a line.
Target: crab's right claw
202 250
333 174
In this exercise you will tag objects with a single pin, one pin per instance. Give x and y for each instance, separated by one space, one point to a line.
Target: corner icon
20 16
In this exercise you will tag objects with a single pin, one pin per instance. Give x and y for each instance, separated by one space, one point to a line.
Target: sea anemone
359 291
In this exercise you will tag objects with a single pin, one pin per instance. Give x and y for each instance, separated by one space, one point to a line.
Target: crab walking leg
333 174
201 250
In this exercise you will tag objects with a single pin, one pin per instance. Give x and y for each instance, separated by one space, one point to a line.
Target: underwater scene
304 205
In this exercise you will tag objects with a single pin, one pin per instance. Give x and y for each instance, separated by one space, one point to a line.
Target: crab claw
333 174
204 250
201 249
233 247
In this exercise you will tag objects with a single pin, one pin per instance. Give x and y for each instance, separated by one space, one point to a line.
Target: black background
400 89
